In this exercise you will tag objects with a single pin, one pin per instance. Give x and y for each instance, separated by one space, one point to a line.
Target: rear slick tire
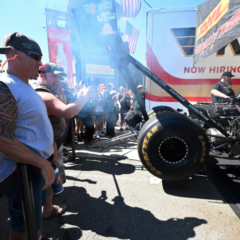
172 147
158 110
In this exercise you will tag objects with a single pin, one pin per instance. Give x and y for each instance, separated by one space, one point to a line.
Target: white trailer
170 46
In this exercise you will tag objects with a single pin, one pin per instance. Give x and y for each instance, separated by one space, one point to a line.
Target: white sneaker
97 136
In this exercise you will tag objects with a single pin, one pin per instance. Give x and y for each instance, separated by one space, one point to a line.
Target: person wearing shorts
99 100
48 89
125 102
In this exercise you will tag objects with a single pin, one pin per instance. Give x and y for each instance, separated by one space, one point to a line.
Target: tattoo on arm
8 112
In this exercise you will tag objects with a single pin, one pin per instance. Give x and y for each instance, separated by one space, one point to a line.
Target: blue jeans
15 206
137 127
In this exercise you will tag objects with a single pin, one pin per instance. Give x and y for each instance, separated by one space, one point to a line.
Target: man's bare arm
57 108
13 148
8 112
217 93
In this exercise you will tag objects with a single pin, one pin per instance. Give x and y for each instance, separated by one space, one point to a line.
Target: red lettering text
211 69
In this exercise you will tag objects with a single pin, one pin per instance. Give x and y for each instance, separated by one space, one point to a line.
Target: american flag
131 36
131 8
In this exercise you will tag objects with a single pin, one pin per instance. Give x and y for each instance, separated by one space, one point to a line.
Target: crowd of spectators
36 111
100 114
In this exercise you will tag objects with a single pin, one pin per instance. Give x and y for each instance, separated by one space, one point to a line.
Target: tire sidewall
170 124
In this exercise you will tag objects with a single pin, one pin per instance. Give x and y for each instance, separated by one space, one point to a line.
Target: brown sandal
57 211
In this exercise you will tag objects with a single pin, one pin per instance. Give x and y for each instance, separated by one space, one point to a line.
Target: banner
96 23
60 50
217 25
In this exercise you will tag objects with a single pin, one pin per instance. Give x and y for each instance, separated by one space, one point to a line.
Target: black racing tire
158 110
172 147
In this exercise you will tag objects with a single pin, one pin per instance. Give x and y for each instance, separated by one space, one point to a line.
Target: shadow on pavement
81 180
119 220
197 187
105 165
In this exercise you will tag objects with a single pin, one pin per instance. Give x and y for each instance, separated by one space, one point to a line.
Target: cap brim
2 50
61 73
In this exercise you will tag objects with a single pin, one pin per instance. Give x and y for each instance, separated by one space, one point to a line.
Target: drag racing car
227 113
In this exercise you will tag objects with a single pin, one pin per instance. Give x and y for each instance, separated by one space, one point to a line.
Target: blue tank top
32 128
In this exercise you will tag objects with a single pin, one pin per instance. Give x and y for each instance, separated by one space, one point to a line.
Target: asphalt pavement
110 196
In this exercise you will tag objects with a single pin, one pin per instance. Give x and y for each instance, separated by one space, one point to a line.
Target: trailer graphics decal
192 89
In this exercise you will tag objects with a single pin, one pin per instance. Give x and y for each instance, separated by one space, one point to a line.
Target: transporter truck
169 54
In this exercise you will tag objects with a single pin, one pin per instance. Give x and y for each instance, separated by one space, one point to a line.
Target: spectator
89 81
77 88
48 90
99 100
22 138
109 109
141 92
67 92
101 90
72 90
79 125
130 93
69 97
125 102
136 105
116 106
86 115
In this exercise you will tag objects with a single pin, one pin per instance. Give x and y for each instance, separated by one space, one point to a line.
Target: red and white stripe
131 8
132 40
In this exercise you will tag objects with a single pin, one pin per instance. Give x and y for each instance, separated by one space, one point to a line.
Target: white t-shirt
32 127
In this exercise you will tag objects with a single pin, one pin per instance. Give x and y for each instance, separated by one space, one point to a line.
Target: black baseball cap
20 42
52 68
227 74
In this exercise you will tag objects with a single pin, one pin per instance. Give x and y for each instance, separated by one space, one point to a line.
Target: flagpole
147 3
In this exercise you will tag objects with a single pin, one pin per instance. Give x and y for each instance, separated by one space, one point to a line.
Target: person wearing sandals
49 89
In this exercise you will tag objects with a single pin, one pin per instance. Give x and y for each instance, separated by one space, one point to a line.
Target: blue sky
26 16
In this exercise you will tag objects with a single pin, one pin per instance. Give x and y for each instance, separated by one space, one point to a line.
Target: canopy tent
217 25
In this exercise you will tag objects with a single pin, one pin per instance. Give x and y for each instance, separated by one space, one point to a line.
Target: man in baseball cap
22 139
20 42
51 75
49 89
223 88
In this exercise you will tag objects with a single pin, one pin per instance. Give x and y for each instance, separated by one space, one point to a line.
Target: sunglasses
35 56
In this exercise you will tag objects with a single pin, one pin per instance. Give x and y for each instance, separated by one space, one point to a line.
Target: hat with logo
102 85
20 42
227 74
140 86
52 68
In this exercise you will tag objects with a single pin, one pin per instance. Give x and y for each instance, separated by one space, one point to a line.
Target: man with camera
223 88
